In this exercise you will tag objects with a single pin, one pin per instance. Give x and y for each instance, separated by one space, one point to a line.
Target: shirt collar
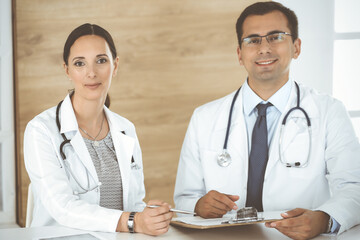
279 99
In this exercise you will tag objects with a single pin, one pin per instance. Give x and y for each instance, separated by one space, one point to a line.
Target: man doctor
319 193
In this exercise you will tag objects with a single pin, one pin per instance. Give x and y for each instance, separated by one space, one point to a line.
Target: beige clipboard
193 226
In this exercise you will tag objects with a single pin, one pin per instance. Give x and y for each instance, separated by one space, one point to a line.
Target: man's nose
264 46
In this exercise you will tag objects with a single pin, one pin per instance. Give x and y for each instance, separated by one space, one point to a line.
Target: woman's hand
154 221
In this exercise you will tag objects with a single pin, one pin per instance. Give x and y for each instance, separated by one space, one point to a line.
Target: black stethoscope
134 165
224 158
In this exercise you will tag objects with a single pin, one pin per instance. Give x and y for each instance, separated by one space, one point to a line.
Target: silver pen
173 210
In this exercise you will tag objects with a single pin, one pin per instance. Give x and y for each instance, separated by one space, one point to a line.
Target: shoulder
212 108
46 119
119 121
320 99
321 104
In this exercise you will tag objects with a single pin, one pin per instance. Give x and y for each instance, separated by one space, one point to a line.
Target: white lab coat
54 199
335 159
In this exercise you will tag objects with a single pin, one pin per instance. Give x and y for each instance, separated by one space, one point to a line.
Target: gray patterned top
107 168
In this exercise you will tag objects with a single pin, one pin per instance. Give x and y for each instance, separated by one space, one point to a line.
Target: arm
52 186
342 156
189 186
342 153
190 190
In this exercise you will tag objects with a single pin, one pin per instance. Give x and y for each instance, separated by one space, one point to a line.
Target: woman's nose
91 71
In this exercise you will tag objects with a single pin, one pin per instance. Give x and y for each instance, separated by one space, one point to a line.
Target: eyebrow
271 32
81 58
102 55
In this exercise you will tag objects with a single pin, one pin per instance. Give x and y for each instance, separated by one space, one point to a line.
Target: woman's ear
116 66
66 68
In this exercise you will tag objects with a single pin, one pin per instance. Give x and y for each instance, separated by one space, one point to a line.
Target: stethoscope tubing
63 157
283 123
229 119
226 161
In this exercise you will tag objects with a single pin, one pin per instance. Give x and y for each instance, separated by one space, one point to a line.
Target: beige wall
174 56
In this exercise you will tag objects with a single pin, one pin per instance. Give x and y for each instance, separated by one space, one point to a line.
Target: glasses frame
265 36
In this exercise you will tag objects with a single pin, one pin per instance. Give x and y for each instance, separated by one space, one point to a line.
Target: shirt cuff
335 226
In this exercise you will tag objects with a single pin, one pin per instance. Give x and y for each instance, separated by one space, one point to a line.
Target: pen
173 210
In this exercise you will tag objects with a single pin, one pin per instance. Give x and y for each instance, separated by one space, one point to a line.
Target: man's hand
301 223
215 204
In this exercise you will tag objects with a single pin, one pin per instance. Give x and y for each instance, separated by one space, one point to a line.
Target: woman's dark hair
89 29
262 8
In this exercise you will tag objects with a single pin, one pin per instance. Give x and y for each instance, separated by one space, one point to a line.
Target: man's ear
297 48
238 50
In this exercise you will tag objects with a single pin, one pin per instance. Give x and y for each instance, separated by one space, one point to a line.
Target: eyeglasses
272 38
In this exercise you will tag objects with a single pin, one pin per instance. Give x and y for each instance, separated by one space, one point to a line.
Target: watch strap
131 222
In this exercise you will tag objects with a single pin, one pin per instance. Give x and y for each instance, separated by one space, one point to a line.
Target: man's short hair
262 8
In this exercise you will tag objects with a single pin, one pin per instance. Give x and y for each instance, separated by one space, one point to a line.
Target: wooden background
174 56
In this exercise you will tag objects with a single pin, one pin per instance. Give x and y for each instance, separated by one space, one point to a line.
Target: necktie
258 159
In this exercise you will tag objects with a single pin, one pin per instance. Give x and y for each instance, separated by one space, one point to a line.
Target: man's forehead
264 24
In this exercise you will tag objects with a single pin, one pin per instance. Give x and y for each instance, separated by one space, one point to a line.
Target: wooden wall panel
174 56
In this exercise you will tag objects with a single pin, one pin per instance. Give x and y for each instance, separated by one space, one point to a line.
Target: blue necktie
258 159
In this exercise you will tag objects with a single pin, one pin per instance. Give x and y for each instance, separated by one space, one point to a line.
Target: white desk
257 231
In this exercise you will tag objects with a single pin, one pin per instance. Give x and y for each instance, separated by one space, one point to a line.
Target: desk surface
257 231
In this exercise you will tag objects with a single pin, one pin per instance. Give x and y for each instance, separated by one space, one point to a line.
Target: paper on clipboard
202 223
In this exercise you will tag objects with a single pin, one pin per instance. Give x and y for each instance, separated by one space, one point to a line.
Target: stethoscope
134 165
224 158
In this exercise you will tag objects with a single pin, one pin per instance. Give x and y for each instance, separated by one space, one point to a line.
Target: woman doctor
94 181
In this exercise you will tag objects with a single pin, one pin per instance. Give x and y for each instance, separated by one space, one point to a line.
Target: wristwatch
131 222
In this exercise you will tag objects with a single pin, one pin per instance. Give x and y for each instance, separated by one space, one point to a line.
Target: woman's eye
79 64
101 60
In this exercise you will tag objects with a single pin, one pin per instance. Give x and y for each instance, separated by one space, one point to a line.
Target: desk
257 231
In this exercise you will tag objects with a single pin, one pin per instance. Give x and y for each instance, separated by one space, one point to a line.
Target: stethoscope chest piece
224 159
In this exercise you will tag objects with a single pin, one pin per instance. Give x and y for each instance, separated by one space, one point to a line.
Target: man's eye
275 37
254 40
101 60
79 64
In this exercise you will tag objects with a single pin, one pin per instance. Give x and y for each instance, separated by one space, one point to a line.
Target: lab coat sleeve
342 156
140 194
190 186
52 188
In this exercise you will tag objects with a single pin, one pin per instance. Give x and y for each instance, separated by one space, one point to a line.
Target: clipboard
176 222
245 216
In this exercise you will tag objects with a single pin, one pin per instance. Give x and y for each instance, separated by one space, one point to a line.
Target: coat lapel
124 148
70 128
81 150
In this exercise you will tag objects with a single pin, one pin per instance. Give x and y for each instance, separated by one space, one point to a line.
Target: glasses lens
252 41
276 37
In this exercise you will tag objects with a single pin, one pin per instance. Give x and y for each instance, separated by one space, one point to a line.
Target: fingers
154 221
285 223
215 204
293 213
224 199
156 202
162 207
303 224
233 198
